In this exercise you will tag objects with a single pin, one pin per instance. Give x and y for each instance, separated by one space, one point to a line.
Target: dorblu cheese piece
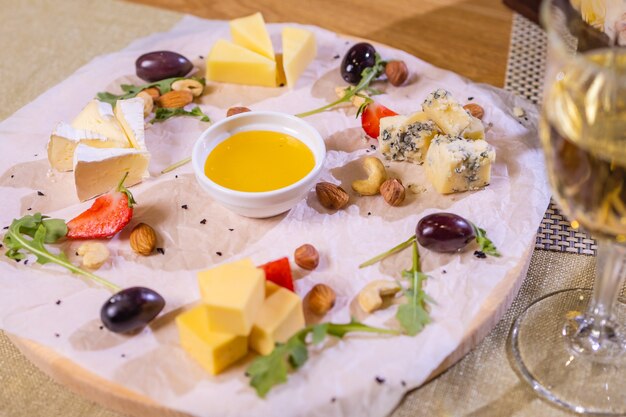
279 318
299 50
249 32
98 117
406 138
446 112
232 63
129 113
475 130
456 164
99 170
233 294
63 142
214 351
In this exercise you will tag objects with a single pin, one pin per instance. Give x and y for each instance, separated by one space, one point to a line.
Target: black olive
444 232
159 65
131 309
360 56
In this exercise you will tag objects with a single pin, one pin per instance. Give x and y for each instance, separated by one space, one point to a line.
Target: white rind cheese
455 164
99 170
129 113
63 142
97 116
405 138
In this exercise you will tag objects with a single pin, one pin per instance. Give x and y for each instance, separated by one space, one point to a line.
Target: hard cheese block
98 117
451 117
299 50
406 138
63 142
235 64
214 351
249 32
233 294
99 170
456 164
279 318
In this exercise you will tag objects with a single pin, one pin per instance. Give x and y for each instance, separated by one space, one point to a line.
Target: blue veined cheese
405 138
455 164
451 117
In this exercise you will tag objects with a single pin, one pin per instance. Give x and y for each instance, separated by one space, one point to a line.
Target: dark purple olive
131 309
159 65
360 56
444 232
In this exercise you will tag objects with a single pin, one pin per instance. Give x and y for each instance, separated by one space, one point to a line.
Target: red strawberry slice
105 218
370 118
279 272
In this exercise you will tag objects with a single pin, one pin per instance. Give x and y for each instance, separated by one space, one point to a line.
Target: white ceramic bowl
267 203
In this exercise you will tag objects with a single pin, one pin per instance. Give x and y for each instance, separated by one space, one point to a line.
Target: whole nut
236 110
475 110
143 239
307 257
321 299
175 99
331 196
152 92
396 72
393 192
376 175
148 103
195 87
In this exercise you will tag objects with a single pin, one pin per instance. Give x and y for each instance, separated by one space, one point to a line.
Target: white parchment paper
61 311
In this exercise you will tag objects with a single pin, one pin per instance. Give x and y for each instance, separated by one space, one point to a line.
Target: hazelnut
396 72
392 191
331 196
307 257
475 110
236 110
143 239
320 299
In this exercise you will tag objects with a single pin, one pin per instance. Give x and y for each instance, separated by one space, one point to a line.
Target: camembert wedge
97 116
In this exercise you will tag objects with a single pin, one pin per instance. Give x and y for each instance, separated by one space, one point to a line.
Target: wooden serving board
128 402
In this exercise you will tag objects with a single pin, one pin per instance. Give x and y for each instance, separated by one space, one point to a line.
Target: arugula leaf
163 114
367 76
484 243
130 90
412 315
41 229
267 371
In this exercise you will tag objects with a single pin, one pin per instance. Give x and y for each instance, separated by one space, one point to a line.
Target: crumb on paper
518 112
416 188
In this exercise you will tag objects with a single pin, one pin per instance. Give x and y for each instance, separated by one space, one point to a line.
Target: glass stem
611 269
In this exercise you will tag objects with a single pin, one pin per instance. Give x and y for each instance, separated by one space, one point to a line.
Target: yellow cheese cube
299 49
280 317
235 64
250 33
233 294
214 351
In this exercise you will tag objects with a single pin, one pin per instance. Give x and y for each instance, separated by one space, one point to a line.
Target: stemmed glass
571 345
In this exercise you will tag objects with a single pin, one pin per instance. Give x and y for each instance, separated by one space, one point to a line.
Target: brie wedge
98 117
63 142
99 170
129 113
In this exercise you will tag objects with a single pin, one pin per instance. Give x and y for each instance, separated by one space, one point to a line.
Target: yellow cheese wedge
250 33
214 351
233 294
98 117
235 64
299 49
280 317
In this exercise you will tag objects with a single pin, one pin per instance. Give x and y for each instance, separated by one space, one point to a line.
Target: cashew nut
357 100
376 176
94 254
148 103
193 86
371 296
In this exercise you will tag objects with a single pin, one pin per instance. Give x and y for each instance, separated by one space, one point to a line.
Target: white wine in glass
571 345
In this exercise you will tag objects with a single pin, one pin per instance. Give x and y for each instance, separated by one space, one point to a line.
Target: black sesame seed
231 230
373 147
76 253
403 383
25 261
17 260
57 335
184 206
480 254
101 327
336 56
35 154
200 56
12 176
203 221
367 150
470 98
246 374
161 251
218 253
176 176
281 85
58 302
380 380
5 227
444 272
123 355
369 213
39 193
0 245
332 400
29 209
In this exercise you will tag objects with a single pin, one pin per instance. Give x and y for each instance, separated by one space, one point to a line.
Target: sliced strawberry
370 118
105 218
279 272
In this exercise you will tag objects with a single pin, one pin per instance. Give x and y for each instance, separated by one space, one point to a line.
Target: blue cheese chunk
446 112
406 138
455 164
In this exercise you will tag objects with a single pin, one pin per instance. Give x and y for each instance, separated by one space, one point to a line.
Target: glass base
573 362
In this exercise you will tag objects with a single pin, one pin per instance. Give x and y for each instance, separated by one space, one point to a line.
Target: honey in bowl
258 161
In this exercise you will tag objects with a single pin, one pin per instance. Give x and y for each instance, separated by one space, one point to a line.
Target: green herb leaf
391 251
319 333
130 90
163 114
413 315
484 243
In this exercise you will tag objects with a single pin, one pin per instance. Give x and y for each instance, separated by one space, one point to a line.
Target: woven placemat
524 76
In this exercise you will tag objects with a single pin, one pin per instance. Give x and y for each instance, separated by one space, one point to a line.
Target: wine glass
571 345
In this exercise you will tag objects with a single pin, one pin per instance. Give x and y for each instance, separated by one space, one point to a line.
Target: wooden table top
469 37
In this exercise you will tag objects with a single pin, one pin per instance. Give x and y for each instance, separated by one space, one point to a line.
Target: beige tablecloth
43 42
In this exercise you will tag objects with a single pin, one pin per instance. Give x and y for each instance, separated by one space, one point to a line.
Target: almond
175 99
475 110
143 239
331 196
236 110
